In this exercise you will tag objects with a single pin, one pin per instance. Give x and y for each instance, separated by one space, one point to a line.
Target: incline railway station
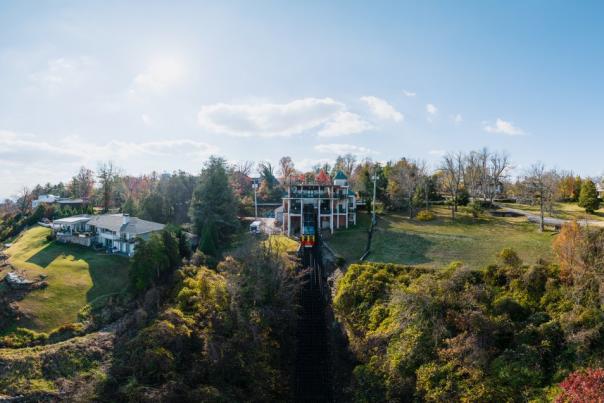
319 203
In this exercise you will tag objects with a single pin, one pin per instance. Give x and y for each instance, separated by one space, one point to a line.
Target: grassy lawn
565 211
441 241
281 243
76 276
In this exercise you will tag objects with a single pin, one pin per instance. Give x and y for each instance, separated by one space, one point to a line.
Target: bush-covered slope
507 333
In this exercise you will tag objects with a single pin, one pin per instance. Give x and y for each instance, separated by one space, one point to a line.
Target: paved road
557 222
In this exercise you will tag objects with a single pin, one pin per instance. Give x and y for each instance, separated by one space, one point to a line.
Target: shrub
23 338
509 257
425 215
475 208
583 386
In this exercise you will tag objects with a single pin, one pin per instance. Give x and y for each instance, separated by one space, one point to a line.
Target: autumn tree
582 386
568 247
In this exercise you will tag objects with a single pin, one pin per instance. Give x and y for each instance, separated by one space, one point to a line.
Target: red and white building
331 200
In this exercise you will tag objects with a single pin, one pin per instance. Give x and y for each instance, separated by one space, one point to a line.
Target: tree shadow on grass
47 255
400 247
109 273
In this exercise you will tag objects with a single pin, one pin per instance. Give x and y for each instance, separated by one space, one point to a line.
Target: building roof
72 220
340 175
70 201
115 222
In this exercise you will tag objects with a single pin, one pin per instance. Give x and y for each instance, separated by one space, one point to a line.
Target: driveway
556 222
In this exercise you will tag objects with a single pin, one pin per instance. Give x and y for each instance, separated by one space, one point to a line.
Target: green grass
437 243
76 276
565 211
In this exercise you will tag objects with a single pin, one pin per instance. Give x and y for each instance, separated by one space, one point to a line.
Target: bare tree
24 200
345 163
107 174
498 165
286 167
538 184
244 168
473 174
452 169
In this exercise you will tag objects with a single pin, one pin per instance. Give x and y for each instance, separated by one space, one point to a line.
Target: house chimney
126 219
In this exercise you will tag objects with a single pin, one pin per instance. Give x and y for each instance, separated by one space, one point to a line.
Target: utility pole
374 188
255 186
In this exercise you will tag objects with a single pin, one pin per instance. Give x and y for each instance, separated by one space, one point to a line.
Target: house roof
115 222
70 201
72 220
340 175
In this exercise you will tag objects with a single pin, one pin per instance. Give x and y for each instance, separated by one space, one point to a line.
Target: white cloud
340 149
503 127
161 73
457 119
345 123
62 72
409 93
31 159
382 109
431 109
271 120
146 119
438 153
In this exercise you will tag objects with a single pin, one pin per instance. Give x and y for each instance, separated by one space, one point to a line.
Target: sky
160 86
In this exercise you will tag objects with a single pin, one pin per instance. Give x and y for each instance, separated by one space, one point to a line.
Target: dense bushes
507 333
226 335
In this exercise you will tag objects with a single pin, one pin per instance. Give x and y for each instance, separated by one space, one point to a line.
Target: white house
117 233
600 190
330 200
62 201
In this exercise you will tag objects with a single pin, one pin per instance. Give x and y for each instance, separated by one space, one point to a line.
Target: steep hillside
75 275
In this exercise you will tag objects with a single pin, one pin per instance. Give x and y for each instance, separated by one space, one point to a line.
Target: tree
149 262
286 168
539 187
24 200
82 184
404 178
588 198
498 165
107 174
154 207
345 163
452 169
213 204
583 386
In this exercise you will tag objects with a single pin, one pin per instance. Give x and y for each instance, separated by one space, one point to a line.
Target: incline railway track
312 359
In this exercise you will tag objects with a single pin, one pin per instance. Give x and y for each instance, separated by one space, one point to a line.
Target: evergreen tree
588 198
155 208
207 242
171 249
214 205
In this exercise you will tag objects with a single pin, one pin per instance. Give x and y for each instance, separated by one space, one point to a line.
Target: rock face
17 282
